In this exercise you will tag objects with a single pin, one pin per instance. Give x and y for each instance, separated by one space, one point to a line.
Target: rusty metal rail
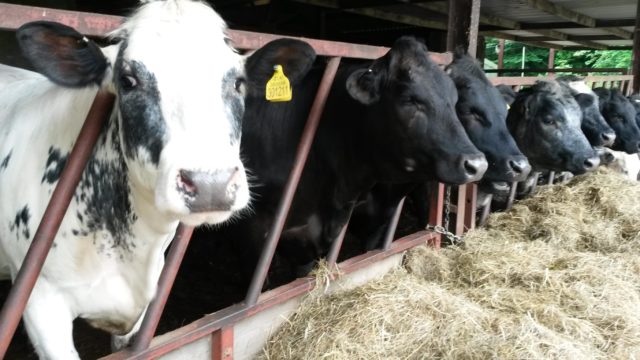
43 239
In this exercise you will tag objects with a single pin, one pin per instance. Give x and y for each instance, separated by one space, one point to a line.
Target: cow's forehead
177 33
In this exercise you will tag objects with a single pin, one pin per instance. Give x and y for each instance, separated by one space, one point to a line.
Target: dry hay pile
558 276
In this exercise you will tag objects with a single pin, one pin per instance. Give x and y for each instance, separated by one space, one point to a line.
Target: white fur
182 43
626 164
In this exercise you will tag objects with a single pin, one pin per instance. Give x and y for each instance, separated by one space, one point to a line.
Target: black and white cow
390 120
621 116
168 153
594 126
545 121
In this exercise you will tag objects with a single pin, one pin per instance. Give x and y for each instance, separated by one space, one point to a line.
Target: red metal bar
512 194
470 214
13 16
222 344
552 176
393 225
461 209
149 325
32 264
213 322
436 204
551 62
294 177
336 245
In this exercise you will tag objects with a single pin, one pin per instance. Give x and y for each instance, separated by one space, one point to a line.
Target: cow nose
209 191
591 163
608 138
474 166
520 166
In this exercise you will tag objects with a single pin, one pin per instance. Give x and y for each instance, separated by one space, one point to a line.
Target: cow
482 112
508 94
168 153
545 121
389 120
620 114
594 126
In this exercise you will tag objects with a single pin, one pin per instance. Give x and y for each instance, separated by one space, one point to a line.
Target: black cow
507 93
545 121
390 120
635 101
482 112
619 112
594 126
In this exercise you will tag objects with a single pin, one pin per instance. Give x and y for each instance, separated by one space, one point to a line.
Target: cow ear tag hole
278 87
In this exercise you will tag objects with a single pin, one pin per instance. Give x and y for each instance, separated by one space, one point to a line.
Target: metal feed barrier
219 325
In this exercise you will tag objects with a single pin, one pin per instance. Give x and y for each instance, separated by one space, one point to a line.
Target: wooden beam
514 25
380 13
576 17
541 41
572 25
463 25
353 4
550 38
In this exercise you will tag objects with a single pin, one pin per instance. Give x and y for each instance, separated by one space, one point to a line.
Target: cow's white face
181 100
180 92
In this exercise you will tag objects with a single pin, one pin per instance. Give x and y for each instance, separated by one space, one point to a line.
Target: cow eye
128 82
548 120
240 86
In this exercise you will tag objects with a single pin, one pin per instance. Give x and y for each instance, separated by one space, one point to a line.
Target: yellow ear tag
278 87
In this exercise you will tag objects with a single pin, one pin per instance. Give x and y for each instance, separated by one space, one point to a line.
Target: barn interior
444 25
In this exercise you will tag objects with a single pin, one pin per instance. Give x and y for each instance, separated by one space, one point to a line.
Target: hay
558 277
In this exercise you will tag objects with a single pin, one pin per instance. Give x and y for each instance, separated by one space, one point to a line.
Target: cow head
483 113
545 120
180 98
635 101
598 132
411 107
621 116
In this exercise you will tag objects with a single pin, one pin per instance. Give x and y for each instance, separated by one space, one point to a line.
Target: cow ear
363 85
584 100
62 54
295 56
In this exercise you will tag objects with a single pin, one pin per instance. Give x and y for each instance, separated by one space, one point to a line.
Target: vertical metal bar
470 214
552 176
636 51
512 195
436 206
393 225
152 316
461 209
308 134
500 54
336 245
551 62
32 264
222 344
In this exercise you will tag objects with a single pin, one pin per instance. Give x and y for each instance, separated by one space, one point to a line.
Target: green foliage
538 57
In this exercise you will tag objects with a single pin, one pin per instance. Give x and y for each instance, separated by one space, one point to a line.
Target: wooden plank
463 24
573 25
636 52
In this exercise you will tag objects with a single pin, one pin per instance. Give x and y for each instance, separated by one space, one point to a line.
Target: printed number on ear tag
278 87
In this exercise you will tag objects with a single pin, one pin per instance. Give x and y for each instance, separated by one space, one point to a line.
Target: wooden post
551 63
500 54
636 52
480 53
462 28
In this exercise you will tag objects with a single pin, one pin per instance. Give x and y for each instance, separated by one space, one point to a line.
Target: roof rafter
576 17
513 25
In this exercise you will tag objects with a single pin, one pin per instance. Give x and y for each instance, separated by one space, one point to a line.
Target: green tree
538 57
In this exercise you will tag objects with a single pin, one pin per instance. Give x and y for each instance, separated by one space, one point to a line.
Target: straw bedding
557 277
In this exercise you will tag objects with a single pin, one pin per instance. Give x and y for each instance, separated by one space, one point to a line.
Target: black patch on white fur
143 125
20 224
54 166
5 161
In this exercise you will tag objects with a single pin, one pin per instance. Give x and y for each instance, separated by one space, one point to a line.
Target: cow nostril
516 166
470 167
591 163
608 137
185 183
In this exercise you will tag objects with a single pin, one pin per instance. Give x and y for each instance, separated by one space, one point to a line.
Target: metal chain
444 230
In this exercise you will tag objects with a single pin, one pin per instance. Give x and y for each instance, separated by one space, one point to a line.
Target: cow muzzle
209 191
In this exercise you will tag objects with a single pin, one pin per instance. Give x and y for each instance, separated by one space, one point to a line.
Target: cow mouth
185 185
